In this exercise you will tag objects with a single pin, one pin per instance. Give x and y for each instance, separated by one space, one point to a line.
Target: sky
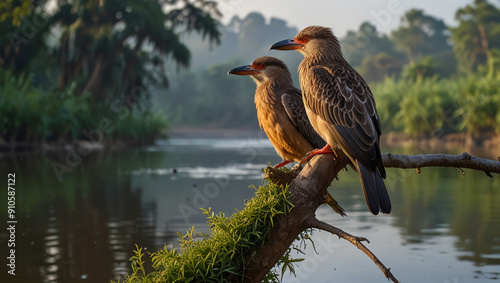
342 15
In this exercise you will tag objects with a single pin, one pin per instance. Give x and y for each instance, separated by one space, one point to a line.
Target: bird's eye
306 38
262 66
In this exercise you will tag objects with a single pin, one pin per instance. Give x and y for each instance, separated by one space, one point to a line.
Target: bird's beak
287 44
244 71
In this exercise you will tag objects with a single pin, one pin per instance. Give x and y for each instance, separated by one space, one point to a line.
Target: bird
341 108
281 113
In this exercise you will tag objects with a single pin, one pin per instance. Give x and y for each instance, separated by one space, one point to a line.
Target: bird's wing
339 96
294 107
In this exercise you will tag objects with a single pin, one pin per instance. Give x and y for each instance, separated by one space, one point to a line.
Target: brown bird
280 109
341 108
281 113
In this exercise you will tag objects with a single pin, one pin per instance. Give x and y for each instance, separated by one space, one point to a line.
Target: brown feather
290 132
341 108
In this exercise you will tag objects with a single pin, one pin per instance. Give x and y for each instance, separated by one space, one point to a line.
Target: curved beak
244 71
287 44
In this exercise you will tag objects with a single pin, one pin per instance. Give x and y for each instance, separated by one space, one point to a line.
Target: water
83 226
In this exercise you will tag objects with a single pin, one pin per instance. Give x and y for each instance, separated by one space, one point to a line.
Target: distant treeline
427 78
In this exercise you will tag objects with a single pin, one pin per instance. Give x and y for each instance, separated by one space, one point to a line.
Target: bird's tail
376 195
328 199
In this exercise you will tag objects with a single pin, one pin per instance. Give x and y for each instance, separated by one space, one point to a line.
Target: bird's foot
325 150
328 199
285 162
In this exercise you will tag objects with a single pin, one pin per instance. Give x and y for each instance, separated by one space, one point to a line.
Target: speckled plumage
280 111
341 108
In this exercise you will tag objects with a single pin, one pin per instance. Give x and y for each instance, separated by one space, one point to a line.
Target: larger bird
341 108
281 113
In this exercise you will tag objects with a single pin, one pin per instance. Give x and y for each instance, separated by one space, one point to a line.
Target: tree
375 68
423 68
195 104
117 33
116 46
478 95
478 31
366 41
22 27
421 34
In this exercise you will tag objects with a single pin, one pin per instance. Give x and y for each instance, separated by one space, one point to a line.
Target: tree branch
463 160
315 223
307 189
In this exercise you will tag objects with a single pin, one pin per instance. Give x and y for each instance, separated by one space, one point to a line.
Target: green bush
424 106
32 115
478 95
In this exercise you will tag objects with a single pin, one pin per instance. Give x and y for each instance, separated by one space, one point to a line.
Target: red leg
285 162
325 150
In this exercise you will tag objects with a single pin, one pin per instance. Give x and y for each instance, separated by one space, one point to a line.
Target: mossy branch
307 191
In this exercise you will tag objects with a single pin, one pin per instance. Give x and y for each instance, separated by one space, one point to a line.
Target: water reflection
443 226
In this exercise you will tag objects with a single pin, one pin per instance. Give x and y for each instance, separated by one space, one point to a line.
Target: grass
221 254
33 115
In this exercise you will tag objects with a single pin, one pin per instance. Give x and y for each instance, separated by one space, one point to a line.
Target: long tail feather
376 195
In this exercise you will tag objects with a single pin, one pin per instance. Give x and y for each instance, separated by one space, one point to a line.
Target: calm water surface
444 227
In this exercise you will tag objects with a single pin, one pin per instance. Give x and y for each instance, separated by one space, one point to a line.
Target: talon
285 162
305 159
325 150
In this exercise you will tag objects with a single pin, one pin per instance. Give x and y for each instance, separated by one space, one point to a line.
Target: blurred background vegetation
66 65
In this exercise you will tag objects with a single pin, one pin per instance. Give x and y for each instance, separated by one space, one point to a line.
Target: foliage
206 103
14 11
220 255
425 67
92 52
96 40
375 68
422 106
420 34
478 95
33 115
477 33
365 42
415 107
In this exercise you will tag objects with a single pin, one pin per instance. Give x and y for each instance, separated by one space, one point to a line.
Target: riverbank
487 145
214 133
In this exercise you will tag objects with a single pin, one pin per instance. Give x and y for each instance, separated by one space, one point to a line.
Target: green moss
220 255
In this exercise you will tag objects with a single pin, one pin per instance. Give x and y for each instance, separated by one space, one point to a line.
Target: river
79 217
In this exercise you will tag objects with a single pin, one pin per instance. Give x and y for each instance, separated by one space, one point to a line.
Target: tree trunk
410 55
94 82
61 83
484 41
307 191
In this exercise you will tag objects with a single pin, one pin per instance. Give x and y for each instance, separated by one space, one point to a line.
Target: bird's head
310 40
263 69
